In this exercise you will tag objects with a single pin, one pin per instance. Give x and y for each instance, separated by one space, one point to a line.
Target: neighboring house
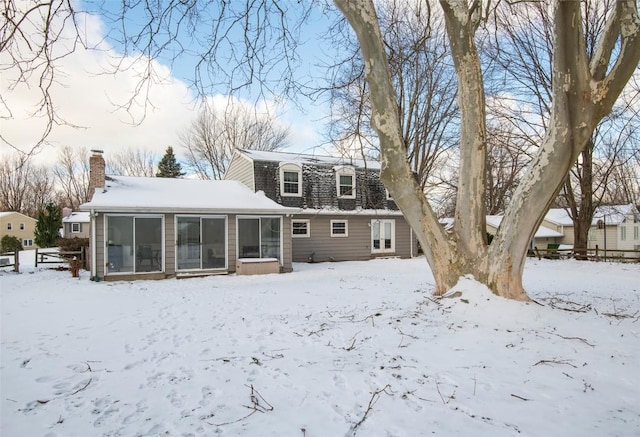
614 227
543 236
153 228
345 211
20 226
75 224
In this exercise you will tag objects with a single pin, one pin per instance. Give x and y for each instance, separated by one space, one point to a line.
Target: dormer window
346 182
290 180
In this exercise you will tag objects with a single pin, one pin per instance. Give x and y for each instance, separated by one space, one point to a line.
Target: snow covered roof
8 213
559 216
77 217
140 194
301 158
352 212
612 214
542 232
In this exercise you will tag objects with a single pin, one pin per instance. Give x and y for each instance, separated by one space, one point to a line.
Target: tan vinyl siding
170 244
356 246
286 244
16 218
404 239
613 235
231 243
241 169
567 235
100 245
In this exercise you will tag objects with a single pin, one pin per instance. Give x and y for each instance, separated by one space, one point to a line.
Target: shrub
72 244
10 244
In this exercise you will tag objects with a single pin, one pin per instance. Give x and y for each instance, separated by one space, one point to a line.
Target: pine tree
168 166
48 226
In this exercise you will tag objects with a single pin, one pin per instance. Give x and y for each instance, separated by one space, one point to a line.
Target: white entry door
383 236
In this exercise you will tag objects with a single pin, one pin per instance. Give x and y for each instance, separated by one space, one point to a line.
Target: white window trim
292 168
382 249
73 225
226 239
27 242
346 228
388 194
260 217
105 227
346 171
306 221
22 226
9 226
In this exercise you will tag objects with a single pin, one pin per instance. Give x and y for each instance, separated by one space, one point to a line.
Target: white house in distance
614 227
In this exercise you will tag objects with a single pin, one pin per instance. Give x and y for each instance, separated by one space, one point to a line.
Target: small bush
72 244
10 244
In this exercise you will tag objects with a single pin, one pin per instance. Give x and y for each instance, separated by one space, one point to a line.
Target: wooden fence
591 254
56 257
7 256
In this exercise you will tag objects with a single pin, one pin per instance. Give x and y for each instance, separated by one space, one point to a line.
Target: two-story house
18 225
345 211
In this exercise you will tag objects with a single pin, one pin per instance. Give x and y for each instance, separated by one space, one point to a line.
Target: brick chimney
96 171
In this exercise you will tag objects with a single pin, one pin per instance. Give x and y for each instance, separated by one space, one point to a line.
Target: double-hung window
22 226
9 226
345 182
290 180
339 228
75 227
300 229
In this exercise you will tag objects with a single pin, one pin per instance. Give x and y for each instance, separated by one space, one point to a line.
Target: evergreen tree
168 166
47 229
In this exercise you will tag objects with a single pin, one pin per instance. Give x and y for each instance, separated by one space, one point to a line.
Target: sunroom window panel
120 248
213 243
148 242
188 243
270 234
259 237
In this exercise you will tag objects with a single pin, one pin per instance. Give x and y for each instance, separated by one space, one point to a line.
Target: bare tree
506 162
34 37
24 187
524 55
72 176
424 78
211 139
583 92
584 89
134 161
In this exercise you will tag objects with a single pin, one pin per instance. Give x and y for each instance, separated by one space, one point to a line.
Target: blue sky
86 97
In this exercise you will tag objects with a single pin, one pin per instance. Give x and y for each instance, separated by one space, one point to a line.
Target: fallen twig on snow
556 362
374 398
258 404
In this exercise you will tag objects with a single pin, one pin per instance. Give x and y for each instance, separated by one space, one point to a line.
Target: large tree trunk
579 103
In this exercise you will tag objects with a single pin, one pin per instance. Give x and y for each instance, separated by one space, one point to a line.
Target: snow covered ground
333 349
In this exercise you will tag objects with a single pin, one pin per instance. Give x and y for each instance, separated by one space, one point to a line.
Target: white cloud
85 94
88 95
